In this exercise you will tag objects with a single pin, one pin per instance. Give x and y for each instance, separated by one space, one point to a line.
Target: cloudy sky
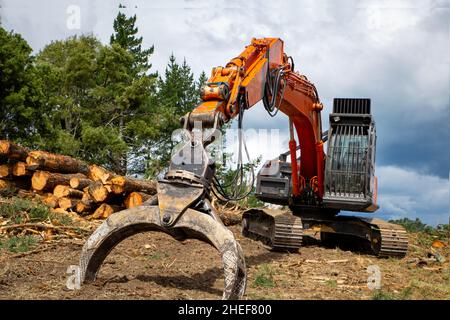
395 52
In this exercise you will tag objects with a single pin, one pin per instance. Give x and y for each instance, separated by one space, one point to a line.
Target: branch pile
67 184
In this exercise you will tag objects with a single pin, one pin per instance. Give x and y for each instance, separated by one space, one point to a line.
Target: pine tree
177 94
125 35
202 79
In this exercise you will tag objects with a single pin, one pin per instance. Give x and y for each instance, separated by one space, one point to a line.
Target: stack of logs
70 184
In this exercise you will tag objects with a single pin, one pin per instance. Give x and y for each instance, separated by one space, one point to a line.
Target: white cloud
405 193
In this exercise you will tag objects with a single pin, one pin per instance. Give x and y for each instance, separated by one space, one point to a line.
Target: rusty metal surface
174 198
191 224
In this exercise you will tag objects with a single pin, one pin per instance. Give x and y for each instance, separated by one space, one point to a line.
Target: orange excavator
312 186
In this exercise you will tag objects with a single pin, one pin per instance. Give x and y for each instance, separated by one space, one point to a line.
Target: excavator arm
264 72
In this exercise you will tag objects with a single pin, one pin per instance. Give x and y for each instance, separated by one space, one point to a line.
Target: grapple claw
191 224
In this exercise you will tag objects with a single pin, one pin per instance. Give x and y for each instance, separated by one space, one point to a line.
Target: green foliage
20 90
125 32
66 221
158 256
18 244
227 176
103 145
413 225
387 295
331 283
8 192
177 94
251 202
202 79
96 103
382 295
18 209
264 277
428 233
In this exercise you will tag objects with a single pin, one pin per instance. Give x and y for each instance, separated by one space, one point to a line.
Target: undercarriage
282 230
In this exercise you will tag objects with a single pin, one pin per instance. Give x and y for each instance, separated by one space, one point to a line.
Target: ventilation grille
347 163
351 106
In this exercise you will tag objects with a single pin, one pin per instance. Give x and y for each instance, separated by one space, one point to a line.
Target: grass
23 210
17 210
331 283
157 256
8 192
18 244
382 295
428 289
256 296
405 294
64 220
264 277
427 233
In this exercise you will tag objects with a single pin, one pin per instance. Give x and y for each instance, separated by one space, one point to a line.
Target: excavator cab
350 182
350 185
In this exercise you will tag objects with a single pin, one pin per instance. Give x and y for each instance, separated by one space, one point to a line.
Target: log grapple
182 209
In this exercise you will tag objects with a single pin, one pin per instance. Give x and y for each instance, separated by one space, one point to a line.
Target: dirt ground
155 266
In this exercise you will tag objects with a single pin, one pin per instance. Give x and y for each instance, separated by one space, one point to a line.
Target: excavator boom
264 72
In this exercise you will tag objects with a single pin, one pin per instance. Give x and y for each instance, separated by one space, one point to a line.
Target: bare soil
155 266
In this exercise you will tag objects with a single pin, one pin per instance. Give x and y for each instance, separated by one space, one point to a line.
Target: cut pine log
97 173
105 210
5 184
98 192
12 150
86 197
50 200
126 184
85 206
135 199
80 183
67 203
59 211
20 169
47 181
116 189
66 191
6 171
27 194
15 184
55 162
